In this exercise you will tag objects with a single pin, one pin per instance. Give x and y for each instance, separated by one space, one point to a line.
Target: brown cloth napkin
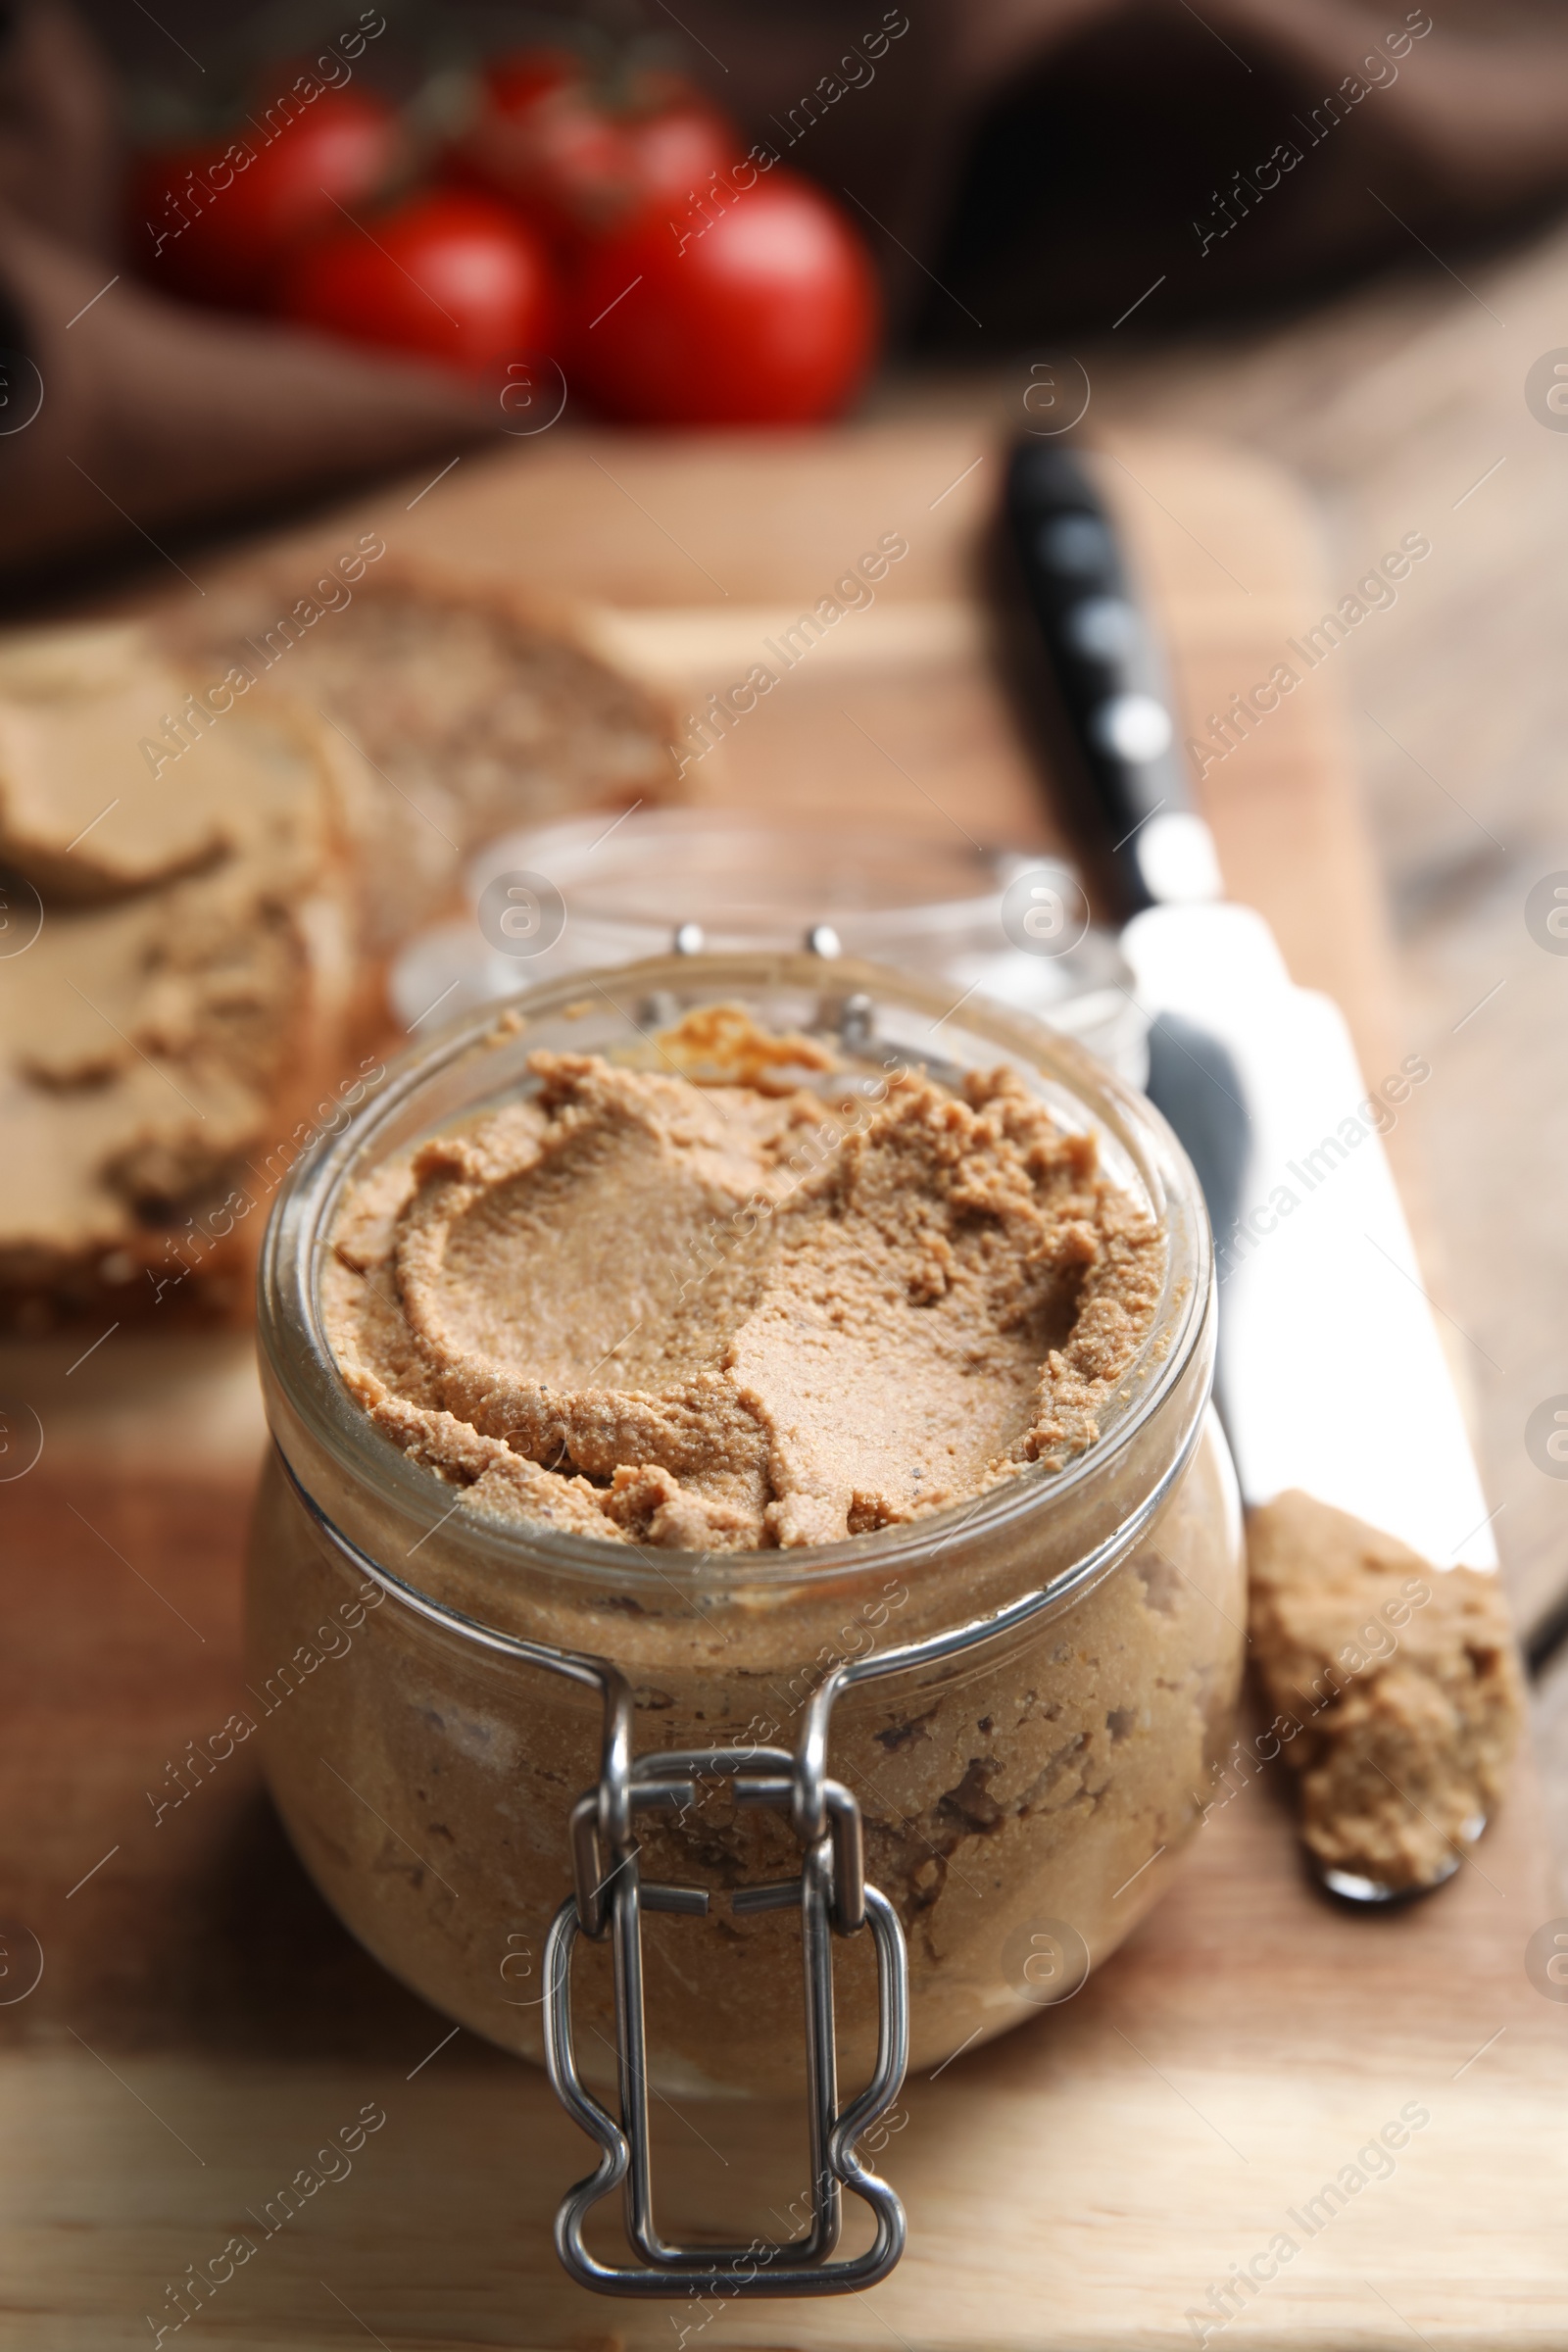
1022 168
1033 166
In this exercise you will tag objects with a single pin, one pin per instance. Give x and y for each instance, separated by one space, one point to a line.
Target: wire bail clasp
610 1898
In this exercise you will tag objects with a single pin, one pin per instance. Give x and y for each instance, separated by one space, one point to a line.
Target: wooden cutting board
202 2025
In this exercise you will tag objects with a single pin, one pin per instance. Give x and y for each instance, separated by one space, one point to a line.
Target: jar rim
296 1351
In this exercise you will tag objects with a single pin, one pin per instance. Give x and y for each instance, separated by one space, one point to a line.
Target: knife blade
1332 1376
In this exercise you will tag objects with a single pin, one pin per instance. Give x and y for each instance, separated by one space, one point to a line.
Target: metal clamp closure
832 1894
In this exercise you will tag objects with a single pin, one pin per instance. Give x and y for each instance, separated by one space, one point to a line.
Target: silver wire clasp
610 1898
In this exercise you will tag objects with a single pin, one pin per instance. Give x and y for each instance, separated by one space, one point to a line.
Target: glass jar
1024 1791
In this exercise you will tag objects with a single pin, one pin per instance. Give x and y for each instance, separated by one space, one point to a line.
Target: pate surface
732 1316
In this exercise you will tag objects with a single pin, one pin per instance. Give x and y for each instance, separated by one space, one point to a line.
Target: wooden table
202 2025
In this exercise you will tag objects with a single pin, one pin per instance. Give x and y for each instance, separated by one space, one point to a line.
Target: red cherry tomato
677 145
448 276
219 217
584 159
767 315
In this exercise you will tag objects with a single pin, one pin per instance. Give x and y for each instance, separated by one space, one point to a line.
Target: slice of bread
174 998
474 710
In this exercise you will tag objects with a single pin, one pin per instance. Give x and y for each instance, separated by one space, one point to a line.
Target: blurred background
253 261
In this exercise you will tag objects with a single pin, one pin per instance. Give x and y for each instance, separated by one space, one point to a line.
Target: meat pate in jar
816 1360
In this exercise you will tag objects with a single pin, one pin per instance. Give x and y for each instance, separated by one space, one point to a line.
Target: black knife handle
1108 675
